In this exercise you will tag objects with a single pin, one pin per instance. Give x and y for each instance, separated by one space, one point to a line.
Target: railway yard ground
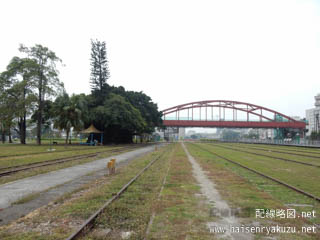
190 190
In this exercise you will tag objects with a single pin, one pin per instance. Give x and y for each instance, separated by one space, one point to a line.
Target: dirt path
222 209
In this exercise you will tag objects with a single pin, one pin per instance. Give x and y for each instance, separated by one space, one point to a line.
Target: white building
313 116
266 133
182 133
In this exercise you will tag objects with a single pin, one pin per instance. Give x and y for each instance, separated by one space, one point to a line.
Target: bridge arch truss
225 113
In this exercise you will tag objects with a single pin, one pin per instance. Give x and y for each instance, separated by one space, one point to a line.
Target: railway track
48 152
283 149
11 170
284 152
307 149
89 223
264 155
262 174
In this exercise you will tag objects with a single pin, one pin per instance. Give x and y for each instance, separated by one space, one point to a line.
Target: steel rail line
111 150
15 169
284 152
159 195
264 155
47 161
263 175
309 147
88 224
39 153
59 151
275 146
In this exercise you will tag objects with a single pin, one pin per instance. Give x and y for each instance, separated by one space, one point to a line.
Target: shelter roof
91 129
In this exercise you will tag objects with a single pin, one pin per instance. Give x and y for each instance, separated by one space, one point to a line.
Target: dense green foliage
28 83
67 113
45 77
122 114
17 95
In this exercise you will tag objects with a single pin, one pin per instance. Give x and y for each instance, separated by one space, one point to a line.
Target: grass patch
180 214
13 161
26 199
248 191
132 211
293 149
285 171
60 219
45 169
269 152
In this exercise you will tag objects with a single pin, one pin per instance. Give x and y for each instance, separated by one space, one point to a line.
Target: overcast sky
261 52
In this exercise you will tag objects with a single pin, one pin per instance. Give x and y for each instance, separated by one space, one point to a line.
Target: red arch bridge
227 114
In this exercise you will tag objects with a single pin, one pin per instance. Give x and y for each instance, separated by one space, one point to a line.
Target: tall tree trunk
39 123
67 137
3 136
39 120
23 120
20 129
23 130
9 133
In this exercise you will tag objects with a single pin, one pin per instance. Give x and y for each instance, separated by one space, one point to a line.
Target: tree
7 105
20 76
47 114
46 77
99 65
116 112
118 119
3 83
148 109
68 113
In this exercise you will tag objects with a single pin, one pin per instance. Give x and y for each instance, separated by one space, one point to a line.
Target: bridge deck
233 124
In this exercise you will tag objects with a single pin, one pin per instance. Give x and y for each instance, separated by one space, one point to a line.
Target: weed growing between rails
128 215
181 211
54 167
59 219
281 170
37 157
246 192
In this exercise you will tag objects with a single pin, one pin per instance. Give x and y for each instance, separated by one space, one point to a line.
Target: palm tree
68 114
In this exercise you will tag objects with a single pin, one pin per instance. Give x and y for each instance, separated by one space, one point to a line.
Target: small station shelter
91 131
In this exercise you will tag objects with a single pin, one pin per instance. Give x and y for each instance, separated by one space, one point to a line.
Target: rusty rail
263 175
285 152
48 152
264 155
88 224
25 167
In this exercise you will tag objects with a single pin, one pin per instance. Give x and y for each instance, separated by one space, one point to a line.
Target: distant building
266 133
312 116
182 133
